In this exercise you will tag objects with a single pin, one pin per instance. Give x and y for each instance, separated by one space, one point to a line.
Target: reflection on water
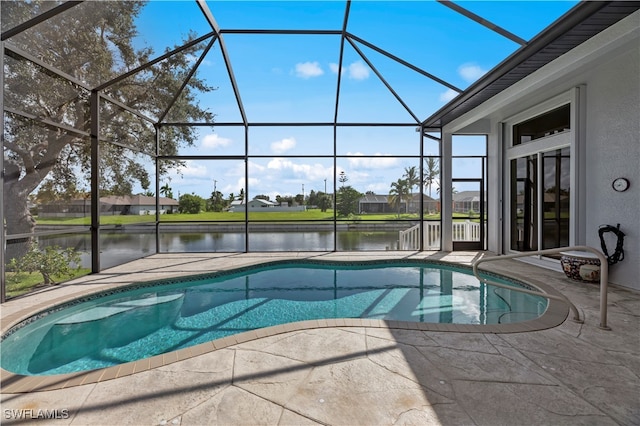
119 247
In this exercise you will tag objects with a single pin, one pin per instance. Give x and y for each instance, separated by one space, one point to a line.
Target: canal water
118 247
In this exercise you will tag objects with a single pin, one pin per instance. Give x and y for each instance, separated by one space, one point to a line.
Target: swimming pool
147 319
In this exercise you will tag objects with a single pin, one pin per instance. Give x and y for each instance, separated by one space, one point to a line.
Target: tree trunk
18 218
22 177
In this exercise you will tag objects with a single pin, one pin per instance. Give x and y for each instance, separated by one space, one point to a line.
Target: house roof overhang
572 29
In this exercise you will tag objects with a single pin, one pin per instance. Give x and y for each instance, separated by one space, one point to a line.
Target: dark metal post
246 188
3 241
483 220
421 240
333 198
95 182
157 129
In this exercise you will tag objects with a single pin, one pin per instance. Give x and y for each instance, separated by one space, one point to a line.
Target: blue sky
293 78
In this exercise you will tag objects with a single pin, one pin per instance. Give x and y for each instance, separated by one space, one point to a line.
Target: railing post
604 277
604 282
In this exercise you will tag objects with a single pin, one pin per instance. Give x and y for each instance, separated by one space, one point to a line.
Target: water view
118 247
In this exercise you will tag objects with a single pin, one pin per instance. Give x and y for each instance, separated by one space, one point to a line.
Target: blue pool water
153 318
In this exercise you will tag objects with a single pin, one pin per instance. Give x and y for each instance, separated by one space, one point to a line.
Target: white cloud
254 168
237 171
448 95
213 141
358 71
378 188
376 162
253 182
308 69
290 170
280 164
193 169
334 68
471 72
282 146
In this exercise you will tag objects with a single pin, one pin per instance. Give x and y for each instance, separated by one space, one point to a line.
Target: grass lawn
312 214
22 283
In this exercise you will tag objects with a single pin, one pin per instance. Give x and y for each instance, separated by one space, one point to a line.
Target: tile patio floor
353 375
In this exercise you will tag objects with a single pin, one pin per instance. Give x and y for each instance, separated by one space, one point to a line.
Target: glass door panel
555 196
524 203
540 190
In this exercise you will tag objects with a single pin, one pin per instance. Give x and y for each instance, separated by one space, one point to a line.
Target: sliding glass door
540 192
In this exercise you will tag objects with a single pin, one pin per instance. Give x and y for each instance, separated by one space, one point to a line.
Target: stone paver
570 374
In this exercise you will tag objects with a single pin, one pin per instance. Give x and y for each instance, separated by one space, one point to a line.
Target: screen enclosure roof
311 62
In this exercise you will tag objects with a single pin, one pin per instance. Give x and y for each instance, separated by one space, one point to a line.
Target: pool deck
349 373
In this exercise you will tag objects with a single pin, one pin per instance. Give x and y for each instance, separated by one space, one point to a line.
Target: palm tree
166 191
397 193
413 179
431 173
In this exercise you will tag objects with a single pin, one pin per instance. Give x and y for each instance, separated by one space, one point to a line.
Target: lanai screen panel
329 68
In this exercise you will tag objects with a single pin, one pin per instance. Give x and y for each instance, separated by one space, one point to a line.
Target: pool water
156 318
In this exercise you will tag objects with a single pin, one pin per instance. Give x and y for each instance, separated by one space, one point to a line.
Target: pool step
102 312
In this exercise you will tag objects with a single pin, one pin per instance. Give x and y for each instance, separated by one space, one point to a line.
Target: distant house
375 203
236 206
115 205
429 205
262 205
465 201
135 204
72 208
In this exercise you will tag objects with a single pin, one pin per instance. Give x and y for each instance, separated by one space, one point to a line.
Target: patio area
349 374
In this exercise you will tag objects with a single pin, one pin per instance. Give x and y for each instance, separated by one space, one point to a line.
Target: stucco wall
607 68
613 150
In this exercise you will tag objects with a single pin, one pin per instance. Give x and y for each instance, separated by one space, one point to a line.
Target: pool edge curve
11 383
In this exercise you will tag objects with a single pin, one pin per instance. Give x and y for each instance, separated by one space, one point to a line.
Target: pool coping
555 314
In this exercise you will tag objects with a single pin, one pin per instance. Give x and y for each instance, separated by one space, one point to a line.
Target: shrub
52 261
191 203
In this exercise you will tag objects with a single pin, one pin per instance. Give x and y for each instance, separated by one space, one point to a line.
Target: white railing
466 231
604 278
409 239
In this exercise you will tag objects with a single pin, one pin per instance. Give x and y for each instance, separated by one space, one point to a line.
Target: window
550 123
